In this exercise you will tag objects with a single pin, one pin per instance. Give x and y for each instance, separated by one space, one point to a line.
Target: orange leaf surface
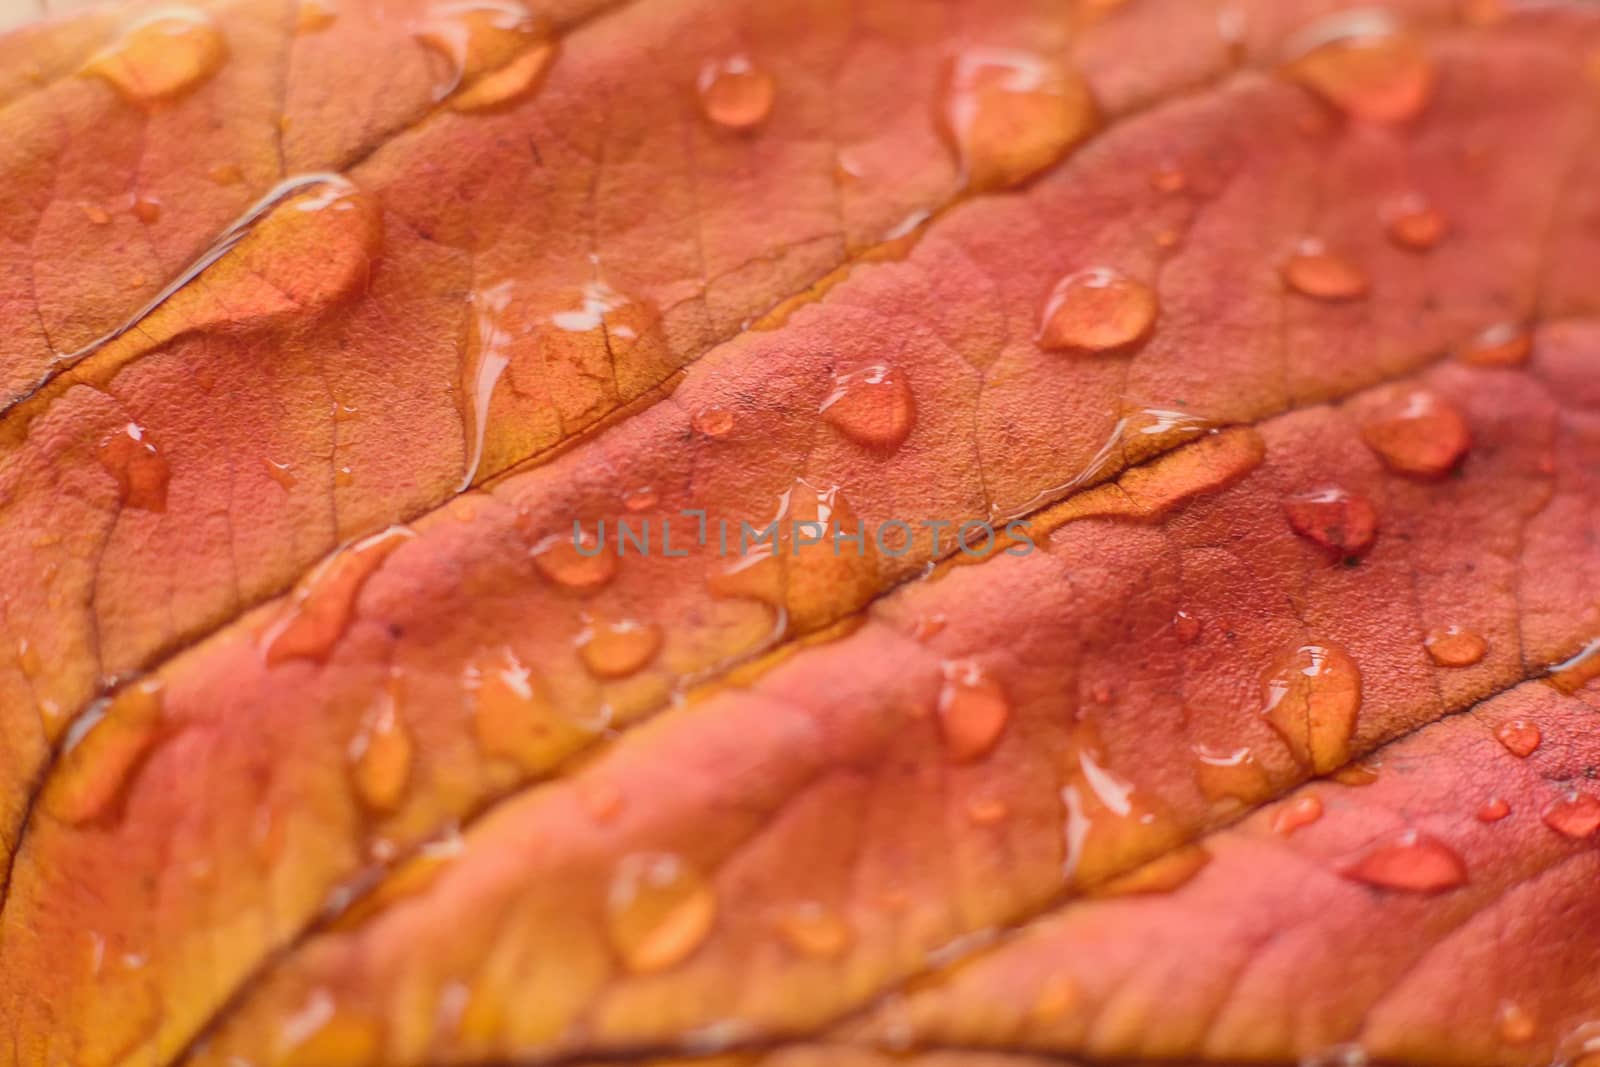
389 669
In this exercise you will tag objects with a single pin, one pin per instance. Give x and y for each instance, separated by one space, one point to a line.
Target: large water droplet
162 55
496 50
1311 696
973 711
1418 433
1519 736
872 406
1574 673
1315 271
1344 523
1097 310
1575 815
616 649
319 610
1365 65
515 720
1451 646
1010 114
1230 775
735 93
1493 810
1408 860
580 561
103 750
814 930
380 753
659 911
1505 344
138 467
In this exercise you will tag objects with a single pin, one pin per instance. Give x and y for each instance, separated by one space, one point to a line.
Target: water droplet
1573 674
102 751
814 930
380 752
496 50
314 16
987 811
1344 523
1168 178
1505 344
161 56
659 911
225 174
1311 695
1493 810
344 477
1301 811
927 627
1408 860
320 1032
1520 737
1186 628
96 214
1451 646
973 710
872 406
1167 872
1010 114
1517 1026
1418 433
641 498
1575 815
1231 775
319 610
601 801
1316 272
140 471
578 561
1356 775
1364 64
1057 996
146 209
712 421
1412 222
515 720
618 649
281 473
735 93
1097 310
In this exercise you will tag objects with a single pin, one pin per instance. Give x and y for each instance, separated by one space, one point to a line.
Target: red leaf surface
1267 739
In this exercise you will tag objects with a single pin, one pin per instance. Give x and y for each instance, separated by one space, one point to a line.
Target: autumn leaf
392 672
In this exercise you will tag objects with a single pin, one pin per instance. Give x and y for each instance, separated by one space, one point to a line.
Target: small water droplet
1311 696
1342 522
712 421
1057 996
1364 64
1493 810
161 56
927 627
515 720
102 751
620 648
380 753
601 801
659 911
1356 775
1575 815
225 174
1168 178
1520 737
1186 628
580 561
344 477
1517 1025
1408 860
314 16
1412 222
146 209
1301 811
1097 310
1231 775
319 610
136 464
320 1032
1505 344
1417 433
282 473
973 710
1010 114
496 51
872 406
1316 272
814 930
1451 646
1574 673
987 811
641 498
735 93
96 214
